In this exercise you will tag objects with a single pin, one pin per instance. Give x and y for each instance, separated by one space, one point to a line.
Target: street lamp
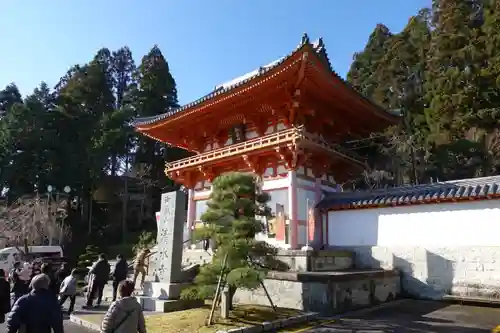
51 189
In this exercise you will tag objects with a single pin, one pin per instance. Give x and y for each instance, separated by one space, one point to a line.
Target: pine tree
231 222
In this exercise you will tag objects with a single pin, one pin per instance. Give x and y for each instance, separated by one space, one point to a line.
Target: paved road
416 317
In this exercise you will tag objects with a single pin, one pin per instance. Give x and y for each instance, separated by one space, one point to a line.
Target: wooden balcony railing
297 135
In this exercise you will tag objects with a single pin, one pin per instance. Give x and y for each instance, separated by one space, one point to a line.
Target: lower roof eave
364 206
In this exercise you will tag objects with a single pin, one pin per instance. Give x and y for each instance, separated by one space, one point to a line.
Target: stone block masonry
433 272
298 261
327 293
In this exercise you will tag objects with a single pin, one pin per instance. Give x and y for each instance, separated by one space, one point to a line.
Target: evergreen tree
450 89
402 71
156 93
365 64
231 222
8 97
123 69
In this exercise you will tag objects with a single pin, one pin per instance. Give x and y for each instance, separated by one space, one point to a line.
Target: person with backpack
119 274
124 315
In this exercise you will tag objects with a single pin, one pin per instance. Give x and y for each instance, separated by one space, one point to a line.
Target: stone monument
168 277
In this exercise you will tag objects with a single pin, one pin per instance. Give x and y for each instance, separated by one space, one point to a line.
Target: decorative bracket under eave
255 164
260 124
207 173
291 155
185 178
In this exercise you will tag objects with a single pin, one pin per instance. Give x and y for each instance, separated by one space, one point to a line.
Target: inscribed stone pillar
170 237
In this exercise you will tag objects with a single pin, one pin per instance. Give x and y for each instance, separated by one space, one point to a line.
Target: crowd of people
38 293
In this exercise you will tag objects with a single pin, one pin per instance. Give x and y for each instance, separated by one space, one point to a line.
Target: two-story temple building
284 121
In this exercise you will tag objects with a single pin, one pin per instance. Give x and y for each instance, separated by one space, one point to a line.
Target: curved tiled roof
455 190
317 45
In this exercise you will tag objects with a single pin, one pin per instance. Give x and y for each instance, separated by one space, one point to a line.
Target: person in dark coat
98 277
4 296
47 270
37 312
35 269
61 274
120 273
18 288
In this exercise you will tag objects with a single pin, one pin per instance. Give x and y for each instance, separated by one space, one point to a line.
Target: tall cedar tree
449 90
361 73
401 74
231 222
156 93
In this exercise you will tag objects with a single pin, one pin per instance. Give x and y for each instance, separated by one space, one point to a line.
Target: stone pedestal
158 305
164 291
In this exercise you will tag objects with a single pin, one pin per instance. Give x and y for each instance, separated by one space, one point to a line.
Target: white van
9 255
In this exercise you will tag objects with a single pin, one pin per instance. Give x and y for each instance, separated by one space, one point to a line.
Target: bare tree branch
32 221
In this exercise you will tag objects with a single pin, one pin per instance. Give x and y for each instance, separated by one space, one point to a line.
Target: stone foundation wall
299 261
438 271
325 293
315 261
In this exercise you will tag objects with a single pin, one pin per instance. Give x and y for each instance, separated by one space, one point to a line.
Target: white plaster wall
302 234
305 182
201 194
452 224
441 249
275 183
304 198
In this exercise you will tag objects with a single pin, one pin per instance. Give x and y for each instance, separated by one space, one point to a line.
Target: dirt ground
417 316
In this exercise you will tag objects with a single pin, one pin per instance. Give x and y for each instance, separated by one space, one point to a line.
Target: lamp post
50 189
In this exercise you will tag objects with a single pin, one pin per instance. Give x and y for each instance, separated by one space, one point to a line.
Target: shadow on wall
424 274
431 279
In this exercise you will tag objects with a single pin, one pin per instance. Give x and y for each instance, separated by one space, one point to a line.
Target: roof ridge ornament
305 39
320 42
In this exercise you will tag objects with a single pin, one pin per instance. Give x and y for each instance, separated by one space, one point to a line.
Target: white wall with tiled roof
466 223
442 249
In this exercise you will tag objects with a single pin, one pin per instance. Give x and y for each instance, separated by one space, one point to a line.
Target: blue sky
206 42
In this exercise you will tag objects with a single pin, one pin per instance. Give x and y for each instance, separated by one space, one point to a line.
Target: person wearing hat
37 312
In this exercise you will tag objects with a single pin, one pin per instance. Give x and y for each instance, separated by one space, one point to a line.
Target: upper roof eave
320 51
